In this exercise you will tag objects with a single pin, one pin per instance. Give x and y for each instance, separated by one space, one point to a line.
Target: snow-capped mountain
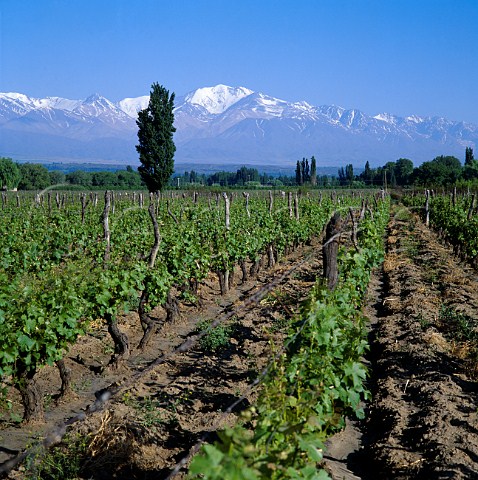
224 125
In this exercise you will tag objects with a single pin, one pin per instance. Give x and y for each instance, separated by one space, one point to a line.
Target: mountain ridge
224 125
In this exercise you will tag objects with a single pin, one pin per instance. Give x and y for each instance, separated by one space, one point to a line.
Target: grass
216 339
462 330
63 462
150 412
457 325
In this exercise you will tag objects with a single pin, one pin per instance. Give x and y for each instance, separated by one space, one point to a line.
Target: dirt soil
422 422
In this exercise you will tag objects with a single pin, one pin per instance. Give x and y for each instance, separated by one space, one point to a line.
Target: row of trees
305 174
242 177
441 171
33 176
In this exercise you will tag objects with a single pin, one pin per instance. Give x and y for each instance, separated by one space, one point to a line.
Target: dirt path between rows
423 420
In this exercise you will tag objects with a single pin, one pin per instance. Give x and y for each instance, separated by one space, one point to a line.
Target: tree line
34 176
443 170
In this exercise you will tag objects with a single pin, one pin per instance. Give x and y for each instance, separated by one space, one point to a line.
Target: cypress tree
155 134
469 156
298 174
313 171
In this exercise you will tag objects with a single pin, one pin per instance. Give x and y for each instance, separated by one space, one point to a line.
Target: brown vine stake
84 204
121 343
223 275
427 208
226 210
106 225
472 208
147 323
354 230
330 250
296 207
246 196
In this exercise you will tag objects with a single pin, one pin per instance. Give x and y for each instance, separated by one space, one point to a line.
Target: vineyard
231 335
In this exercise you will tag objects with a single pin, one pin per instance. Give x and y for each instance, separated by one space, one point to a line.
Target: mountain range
223 125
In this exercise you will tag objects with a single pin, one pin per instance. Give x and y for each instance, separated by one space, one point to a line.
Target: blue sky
395 56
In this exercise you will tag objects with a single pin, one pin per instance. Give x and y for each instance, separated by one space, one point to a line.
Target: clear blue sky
395 56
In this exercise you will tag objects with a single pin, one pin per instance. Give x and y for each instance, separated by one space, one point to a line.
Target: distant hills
223 126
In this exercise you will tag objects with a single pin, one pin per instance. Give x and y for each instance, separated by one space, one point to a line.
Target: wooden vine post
227 210
472 208
330 250
106 225
223 274
147 323
427 208
120 339
246 196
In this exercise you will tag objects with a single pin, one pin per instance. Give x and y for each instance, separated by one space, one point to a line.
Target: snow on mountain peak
17 96
217 99
385 117
131 106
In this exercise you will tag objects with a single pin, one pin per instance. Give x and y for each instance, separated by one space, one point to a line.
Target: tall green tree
9 174
313 171
155 134
349 173
367 174
298 174
305 170
469 156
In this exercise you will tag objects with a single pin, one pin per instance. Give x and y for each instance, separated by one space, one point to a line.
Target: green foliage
469 157
121 179
9 174
453 222
217 338
53 276
57 178
62 462
150 412
155 134
311 387
403 171
45 318
459 327
313 171
33 177
442 170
